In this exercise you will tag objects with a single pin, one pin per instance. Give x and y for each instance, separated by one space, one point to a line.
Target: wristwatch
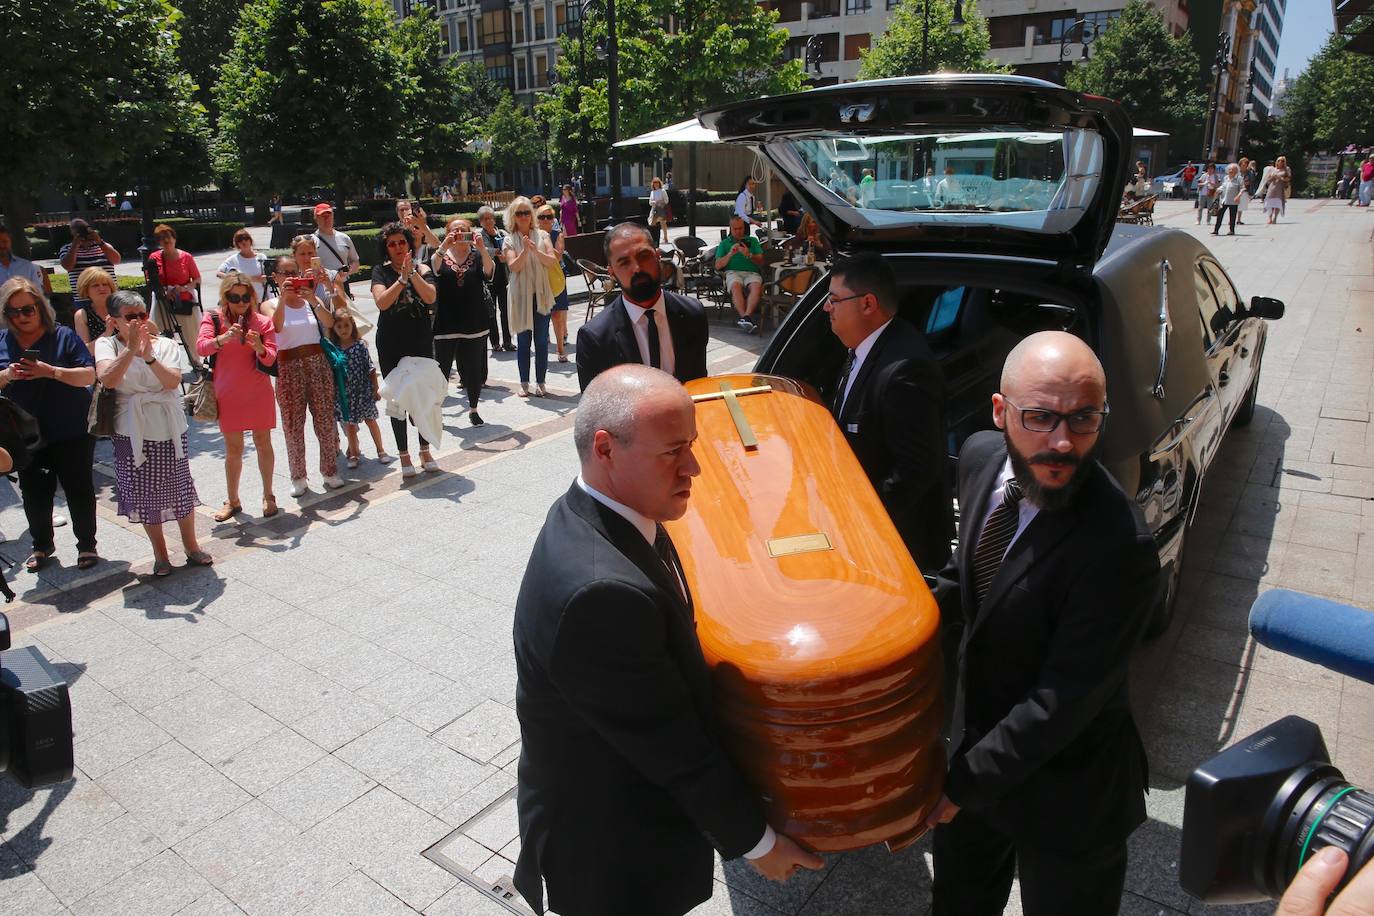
150 360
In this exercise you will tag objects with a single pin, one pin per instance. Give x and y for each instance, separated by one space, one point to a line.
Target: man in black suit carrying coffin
624 786
1052 581
645 324
888 400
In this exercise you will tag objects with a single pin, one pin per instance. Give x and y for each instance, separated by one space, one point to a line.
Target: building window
1096 23
521 75
519 22
1006 32
857 7
560 19
795 49
495 31
444 34
830 47
445 5
462 36
820 9
541 71
788 10
539 23
855 44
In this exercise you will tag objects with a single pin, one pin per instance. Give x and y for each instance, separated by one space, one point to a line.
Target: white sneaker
298 486
59 520
333 482
742 323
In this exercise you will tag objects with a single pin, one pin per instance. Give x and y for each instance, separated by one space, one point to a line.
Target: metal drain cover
467 853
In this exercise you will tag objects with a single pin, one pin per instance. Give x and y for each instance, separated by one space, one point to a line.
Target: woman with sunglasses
528 254
304 377
461 267
558 281
144 369
404 293
47 370
92 320
241 342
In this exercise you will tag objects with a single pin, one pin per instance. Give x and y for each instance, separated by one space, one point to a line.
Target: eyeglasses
24 310
133 316
832 298
1040 420
288 273
238 298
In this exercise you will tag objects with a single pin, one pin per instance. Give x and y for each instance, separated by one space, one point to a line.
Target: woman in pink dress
567 211
242 347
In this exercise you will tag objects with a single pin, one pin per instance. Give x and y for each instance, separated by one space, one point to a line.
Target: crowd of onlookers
279 340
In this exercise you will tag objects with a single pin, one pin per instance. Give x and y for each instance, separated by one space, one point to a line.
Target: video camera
35 716
1256 812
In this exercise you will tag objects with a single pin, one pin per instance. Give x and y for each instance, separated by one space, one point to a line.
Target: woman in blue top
47 370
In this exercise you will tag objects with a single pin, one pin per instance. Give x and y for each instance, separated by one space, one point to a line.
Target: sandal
269 506
87 559
428 463
162 568
524 391
228 511
36 561
199 558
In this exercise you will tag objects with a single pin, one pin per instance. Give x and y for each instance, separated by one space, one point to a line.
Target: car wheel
1163 614
1246 413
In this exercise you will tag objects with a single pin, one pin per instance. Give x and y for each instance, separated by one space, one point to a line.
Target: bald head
620 396
1052 358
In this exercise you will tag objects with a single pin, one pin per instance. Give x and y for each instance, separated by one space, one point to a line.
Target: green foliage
1324 109
720 50
316 92
435 105
897 52
1154 74
513 135
62 282
207 33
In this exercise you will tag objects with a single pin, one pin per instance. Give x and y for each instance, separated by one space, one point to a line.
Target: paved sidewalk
288 731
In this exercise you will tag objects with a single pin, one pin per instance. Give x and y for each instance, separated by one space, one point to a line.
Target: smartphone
30 356
317 266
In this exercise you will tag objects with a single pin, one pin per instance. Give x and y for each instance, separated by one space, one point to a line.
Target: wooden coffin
821 633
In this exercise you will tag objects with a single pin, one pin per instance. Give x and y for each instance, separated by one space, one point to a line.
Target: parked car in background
1173 185
1023 239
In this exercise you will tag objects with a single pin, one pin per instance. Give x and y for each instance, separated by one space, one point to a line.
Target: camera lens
1321 809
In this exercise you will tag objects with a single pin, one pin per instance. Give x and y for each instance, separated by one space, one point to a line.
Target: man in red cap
336 250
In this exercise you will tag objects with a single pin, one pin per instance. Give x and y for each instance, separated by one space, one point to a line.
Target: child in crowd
362 388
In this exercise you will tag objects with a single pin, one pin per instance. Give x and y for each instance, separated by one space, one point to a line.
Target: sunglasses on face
133 316
21 310
288 273
238 298
398 243
524 213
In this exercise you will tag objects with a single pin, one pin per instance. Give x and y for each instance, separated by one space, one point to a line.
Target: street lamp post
613 103
957 25
1219 67
1087 32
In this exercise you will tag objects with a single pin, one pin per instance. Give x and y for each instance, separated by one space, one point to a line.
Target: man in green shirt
740 256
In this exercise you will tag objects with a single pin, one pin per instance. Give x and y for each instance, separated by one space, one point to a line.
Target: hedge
62 283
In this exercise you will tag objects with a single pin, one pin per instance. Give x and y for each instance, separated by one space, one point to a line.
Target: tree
1154 74
84 118
1323 109
316 93
435 106
207 34
898 51
512 134
716 51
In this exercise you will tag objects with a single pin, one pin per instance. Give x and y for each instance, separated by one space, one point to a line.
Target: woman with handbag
241 344
46 369
404 293
177 279
498 286
144 370
461 266
659 218
305 378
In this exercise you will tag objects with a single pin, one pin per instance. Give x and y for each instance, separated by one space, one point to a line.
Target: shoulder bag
100 417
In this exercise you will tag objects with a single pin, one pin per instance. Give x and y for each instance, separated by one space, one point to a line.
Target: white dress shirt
860 354
646 527
667 358
1026 510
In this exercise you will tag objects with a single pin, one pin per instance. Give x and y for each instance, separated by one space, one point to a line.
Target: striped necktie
663 546
838 406
996 538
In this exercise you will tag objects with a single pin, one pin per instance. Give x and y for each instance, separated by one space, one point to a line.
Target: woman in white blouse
150 445
658 211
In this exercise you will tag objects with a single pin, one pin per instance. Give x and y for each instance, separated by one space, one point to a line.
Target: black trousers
975 862
500 322
471 355
1226 208
70 464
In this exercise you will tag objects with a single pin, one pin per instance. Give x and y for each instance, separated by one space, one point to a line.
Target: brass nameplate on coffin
798 543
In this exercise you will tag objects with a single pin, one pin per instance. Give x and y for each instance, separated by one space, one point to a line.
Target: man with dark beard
645 323
1052 580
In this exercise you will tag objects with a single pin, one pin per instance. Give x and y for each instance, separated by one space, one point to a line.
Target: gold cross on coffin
731 396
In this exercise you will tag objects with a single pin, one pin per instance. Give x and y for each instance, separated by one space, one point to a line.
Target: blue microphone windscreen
1331 634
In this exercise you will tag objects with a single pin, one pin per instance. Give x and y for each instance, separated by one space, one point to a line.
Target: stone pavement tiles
288 731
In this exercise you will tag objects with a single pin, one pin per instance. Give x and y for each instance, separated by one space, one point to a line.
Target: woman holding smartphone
241 342
47 370
462 265
403 289
304 378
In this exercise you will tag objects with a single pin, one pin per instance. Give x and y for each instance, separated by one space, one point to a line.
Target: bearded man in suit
1053 580
624 786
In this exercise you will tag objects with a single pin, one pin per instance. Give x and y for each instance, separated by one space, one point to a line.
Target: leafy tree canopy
207 33
317 93
897 52
513 135
717 51
1154 74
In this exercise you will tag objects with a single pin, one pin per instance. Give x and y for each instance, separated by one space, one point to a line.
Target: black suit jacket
1042 738
624 787
609 339
894 422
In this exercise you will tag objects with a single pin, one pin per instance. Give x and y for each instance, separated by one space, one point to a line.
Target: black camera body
35 717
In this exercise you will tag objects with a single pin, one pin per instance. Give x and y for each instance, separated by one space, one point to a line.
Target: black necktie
655 356
996 538
663 546
843 383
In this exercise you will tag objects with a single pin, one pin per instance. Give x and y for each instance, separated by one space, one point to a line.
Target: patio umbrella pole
691 189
